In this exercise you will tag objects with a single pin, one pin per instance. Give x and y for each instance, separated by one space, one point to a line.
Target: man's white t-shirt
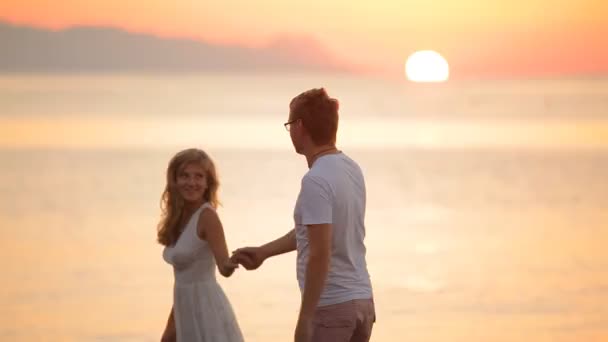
333 191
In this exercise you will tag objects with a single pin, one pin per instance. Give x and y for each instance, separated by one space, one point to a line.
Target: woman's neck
191 207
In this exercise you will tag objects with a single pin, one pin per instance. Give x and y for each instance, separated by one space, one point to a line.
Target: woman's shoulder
207 205
206 211
207 216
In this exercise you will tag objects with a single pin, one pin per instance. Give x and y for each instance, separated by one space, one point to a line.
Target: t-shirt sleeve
315 201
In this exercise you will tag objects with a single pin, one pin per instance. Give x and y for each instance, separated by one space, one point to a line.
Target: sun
427 66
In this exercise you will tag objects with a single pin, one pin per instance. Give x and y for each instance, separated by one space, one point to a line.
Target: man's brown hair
319 114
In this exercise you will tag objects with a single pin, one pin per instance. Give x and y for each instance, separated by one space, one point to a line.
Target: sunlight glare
426 66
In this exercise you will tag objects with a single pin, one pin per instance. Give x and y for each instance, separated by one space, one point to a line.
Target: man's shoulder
315 178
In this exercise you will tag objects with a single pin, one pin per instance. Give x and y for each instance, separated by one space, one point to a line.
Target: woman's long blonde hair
172 203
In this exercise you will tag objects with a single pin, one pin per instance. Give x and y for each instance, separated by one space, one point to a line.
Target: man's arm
253 257
282 245
319 242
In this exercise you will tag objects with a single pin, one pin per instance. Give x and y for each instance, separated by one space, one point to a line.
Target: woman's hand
228 267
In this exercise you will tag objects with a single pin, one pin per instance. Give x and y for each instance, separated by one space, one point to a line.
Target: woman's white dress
201 310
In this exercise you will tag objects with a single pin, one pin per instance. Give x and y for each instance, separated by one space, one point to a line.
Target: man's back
333 191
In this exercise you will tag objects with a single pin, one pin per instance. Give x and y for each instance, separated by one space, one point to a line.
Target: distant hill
110 49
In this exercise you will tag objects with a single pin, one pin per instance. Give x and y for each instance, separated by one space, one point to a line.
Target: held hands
228 267
250 257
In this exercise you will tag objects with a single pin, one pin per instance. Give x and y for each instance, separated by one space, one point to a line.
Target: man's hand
303 330
250 257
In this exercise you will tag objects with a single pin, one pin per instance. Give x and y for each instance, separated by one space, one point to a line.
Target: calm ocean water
473 241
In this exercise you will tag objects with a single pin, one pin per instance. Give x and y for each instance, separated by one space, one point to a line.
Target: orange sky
479 38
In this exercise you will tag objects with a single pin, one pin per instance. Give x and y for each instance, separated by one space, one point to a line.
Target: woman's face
192 182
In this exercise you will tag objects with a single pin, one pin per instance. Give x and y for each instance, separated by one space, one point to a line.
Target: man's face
295 130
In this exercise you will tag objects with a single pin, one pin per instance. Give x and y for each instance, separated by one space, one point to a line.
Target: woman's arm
210 229
170 334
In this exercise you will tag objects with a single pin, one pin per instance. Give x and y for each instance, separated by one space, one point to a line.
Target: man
337 301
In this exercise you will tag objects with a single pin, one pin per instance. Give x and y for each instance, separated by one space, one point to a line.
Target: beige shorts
350 321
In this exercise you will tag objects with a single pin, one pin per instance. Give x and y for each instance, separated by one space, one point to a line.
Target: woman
194 241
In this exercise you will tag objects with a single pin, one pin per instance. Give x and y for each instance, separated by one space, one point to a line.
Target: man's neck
319 151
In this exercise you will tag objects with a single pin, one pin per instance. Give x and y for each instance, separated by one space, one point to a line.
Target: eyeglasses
288 124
